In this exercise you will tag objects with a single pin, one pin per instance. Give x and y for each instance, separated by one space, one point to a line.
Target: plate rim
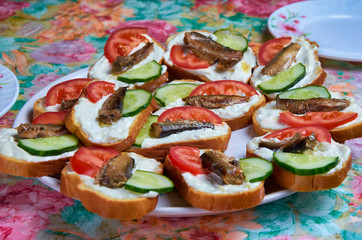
158 211
321 52
15 95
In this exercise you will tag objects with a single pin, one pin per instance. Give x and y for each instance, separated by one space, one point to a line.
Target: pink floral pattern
7 120
65 52
29 206
9 8
262 8
287 24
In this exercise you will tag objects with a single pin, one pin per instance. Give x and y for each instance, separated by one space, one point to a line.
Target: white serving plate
335 25
169 204
9 90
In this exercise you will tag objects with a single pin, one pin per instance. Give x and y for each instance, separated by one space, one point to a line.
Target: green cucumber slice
144 73
284 80
171 92
144 181
305 93
304 165
145 130
256 169
135 101
50 146
232 39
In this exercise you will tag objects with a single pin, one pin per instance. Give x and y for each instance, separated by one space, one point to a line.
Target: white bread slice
214 202
160 151
107 204
101 70
307 55
241 71
339 134
317 182
75 127
39 105
244 112
18 162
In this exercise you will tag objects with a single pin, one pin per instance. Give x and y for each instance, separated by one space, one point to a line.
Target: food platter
335 25
9 89
169 204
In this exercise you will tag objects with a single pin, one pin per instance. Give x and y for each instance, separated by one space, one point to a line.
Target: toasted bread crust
213 202
74 127
318 182
160 152
18 167
39 107
338 134
246 119
103 205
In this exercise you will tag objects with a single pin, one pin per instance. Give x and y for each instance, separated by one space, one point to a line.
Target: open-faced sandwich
181 126
207 56
304 158
34 150
60 97
210 180
108 115
234 101
114 184
287 63
133 58
311 105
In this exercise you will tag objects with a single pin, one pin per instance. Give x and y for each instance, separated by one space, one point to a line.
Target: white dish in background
335 25
169 204
9 89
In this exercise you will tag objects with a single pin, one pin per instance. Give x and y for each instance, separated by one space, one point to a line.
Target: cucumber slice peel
256 169
145 181
232 39
144 73
135 101
171 92
284 80
145 130
51 146
303 164
305 93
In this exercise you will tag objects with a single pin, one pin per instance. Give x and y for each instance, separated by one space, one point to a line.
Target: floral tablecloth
44 40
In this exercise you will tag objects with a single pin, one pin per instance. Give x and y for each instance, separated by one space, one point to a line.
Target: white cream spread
190 135
86 114
141 163
332 149
306 56
241 71
102 68
268 115
9 147
203 183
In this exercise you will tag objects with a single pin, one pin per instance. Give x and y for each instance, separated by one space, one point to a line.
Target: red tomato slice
67 90
123 41
328 120
224 87
321 133
187 159
97 89
186 60
88 160
50 118
190 113
270 48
